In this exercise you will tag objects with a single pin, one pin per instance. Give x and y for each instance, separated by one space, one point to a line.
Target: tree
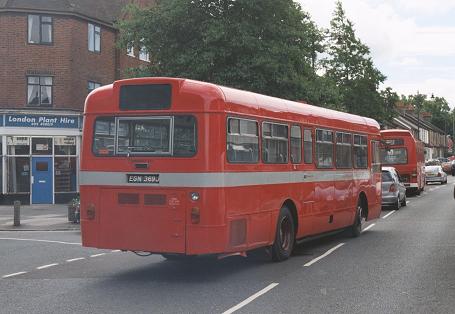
269 48
350 66
389 103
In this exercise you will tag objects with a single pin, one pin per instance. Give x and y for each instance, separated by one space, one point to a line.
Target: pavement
37 218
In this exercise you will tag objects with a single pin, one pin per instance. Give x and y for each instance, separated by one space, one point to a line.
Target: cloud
399 41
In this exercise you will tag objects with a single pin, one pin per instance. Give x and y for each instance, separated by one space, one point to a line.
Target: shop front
40 157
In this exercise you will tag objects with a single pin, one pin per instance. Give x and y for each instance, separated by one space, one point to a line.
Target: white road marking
115 251
407 202
37 240
96 255
323 255
393 211
47 266
250 299
417 196
15 274
369 227
438 187
75 259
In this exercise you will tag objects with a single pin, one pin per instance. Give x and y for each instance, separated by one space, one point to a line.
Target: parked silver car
435 174
393 190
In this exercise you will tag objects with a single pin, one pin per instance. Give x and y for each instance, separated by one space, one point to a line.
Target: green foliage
350 66
268 48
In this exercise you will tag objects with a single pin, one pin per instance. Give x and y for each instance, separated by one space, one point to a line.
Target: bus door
376 178
323 179
303 169
344 201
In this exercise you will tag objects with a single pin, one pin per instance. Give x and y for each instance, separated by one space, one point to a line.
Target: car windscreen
386 176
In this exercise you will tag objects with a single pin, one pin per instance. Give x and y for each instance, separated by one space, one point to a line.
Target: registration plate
143 178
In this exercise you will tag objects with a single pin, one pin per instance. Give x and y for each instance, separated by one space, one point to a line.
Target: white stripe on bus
222 179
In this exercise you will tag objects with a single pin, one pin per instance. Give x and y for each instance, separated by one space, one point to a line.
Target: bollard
17 213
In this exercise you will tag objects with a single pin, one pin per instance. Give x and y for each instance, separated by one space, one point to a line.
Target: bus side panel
344 203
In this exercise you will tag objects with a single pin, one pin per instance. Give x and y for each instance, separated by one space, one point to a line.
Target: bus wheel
356 228
284 237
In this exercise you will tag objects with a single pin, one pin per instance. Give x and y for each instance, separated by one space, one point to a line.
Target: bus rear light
393 188
91 212
195 215
194 196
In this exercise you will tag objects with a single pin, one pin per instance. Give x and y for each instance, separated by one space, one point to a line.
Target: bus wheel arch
293 209
363 200
285 232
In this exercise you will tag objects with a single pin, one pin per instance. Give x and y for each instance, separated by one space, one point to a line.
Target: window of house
130 50
39 91
39 29
242 141
344 150
275 143
324 149
143 53
94 38
92 85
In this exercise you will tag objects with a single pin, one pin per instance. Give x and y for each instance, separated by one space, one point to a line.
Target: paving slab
37 218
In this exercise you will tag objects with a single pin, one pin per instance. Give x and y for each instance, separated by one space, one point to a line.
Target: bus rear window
394 156
159 136
145 97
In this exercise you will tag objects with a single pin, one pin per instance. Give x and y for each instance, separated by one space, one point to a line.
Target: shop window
65 145
41 146
18 174
18 145
65 174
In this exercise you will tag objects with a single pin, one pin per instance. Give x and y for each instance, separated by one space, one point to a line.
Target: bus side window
275 143
343 150
375 156
296 144
242 141
360 151
307 146
324 149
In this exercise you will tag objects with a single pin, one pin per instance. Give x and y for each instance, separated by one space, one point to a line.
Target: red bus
180 167
401 150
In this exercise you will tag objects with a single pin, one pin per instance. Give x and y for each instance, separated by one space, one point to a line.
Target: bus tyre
284 236
356 228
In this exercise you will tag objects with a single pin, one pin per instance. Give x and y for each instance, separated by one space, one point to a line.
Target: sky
412 42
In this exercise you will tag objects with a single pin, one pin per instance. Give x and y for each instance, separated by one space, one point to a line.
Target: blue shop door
42 180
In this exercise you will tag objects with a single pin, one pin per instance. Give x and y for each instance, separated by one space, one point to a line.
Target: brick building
52 54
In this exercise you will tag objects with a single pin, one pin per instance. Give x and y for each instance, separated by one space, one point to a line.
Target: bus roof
196 96
396 132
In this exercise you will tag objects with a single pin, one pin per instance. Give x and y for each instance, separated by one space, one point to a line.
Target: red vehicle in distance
180 167
401 150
